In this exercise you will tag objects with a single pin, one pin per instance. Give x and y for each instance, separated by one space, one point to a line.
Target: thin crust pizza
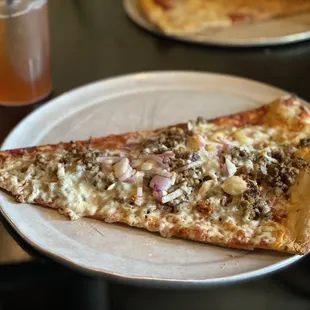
181 17
240 181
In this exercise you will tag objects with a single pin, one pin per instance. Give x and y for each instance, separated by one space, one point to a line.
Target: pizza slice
240 181
181 17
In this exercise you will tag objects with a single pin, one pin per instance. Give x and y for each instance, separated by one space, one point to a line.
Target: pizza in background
182 17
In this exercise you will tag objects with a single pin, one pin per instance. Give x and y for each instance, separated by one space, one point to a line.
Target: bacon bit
240 18
205 207
172 196
165 4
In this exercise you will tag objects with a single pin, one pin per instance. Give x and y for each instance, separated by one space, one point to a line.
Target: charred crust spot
304 143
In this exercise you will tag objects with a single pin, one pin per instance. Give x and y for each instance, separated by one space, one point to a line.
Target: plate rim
139 279
129 5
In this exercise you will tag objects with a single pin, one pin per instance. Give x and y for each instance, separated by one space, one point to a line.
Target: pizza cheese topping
208 164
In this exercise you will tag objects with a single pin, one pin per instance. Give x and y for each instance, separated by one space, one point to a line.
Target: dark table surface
93 39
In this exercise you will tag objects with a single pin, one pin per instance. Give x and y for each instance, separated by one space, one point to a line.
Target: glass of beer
25 76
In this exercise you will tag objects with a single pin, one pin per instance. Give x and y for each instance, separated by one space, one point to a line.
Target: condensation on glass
24 52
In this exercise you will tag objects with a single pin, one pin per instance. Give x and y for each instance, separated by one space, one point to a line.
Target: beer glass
24 52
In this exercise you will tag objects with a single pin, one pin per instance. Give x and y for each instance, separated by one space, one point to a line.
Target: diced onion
159 183
205 187
231 168
127 175
155 158
122 169
132 178
111 186
139 181
173 178
172 196
203 153
136 163
147 165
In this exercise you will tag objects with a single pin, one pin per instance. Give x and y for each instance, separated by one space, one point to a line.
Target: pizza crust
298 223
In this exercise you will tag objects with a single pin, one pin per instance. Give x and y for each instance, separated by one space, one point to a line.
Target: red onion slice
159 183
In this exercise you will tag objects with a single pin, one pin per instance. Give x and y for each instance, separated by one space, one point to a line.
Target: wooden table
93 39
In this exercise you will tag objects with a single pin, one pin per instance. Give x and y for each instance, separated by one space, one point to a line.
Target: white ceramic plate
139 101
273 32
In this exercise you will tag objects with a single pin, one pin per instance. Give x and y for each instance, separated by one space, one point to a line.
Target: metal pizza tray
128 103
274 32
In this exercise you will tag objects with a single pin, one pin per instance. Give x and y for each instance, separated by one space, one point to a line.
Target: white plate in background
284 30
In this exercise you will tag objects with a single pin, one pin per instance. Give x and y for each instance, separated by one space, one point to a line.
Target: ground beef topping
167 139
254 204
282 172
